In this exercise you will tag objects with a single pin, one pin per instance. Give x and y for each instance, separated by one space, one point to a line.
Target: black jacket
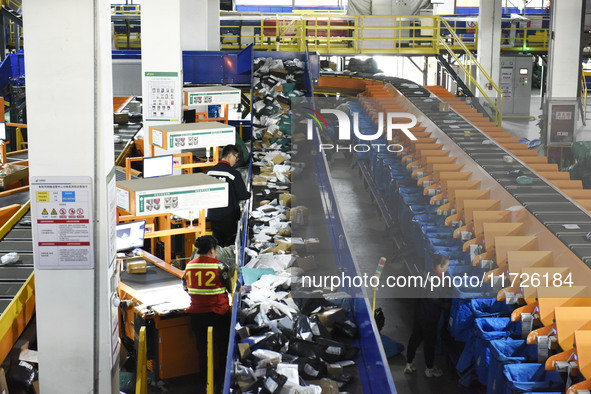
236 189
434 302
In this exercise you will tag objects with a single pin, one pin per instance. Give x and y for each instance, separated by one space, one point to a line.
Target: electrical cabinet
515 83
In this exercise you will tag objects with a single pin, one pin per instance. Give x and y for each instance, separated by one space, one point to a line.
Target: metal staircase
11 15
491 94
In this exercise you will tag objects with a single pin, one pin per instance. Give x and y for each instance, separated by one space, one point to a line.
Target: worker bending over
208 282
224 220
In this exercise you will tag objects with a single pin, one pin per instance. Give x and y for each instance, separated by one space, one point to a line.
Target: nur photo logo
392 120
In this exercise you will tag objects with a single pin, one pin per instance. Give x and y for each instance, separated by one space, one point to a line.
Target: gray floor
368 242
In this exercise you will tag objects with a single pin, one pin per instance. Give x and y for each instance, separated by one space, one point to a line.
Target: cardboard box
278 159
328 386
283 243
331 316
334 371
312 245
287 199
306 263
137 267
285 232
244 350
299 214
121 117
298 245
243 332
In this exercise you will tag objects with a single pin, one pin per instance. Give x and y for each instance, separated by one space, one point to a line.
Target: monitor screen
130 235
157 166
2 131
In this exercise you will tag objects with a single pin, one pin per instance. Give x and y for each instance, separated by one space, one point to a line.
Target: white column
213 25
489 40
565 49
200 21
161 53
70 119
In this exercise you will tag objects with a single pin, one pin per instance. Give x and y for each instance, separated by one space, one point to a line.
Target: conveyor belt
13 276
126 132
18 157
154 277
554 209
16 198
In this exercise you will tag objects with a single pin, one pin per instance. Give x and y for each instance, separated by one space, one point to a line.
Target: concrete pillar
200 21
161 63
489 41
70 119
565 49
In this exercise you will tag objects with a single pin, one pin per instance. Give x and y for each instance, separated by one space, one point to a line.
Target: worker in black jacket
224 220
428 311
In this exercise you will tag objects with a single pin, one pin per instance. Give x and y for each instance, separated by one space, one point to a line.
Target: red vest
208 293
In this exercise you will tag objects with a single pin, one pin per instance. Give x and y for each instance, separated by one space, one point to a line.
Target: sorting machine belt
15 198
13 276
18 157
153 278
547 204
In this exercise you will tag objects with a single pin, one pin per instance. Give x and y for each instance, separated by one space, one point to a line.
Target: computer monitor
130 235
157 166
189 115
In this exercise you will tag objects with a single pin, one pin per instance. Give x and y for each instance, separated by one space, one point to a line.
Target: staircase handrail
498 105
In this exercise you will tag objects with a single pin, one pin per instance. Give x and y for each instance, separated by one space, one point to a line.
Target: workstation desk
156 299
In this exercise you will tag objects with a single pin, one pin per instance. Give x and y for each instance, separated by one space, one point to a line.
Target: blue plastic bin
464 312
487 329
523 378
476 352
507 351
484 290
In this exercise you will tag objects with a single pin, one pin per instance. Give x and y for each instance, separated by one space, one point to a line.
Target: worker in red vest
207 281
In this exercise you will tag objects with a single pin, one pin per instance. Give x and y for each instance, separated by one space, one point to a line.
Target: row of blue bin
494 353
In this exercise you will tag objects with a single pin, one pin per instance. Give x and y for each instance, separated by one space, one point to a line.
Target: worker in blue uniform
428 312
224 220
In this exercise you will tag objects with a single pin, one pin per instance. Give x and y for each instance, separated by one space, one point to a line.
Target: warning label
42 196
62 222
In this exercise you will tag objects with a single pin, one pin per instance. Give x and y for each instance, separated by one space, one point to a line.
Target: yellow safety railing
531 36
209 360
126 9
129 39
141 378
330 33
335 33
340 34
584 91
14 4
470 61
